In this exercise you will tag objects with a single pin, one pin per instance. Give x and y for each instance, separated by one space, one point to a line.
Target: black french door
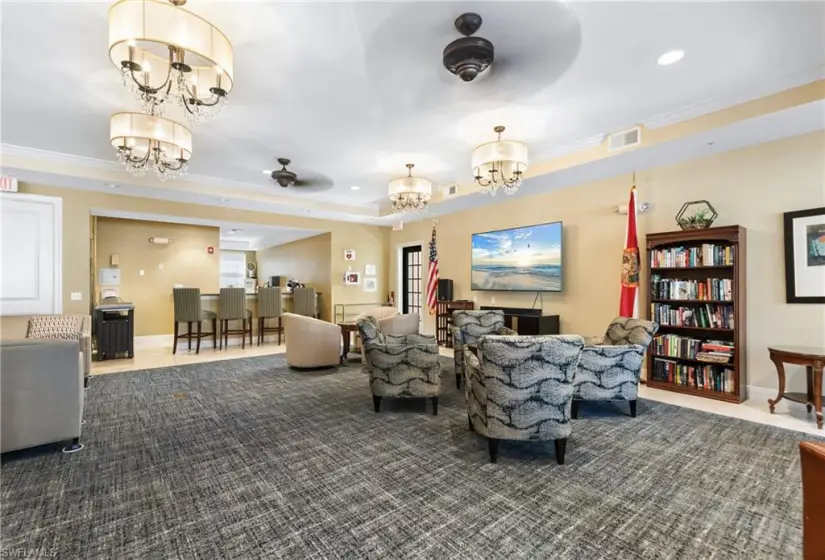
412 270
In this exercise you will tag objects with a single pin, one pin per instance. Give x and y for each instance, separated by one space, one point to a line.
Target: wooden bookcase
444 319
697 317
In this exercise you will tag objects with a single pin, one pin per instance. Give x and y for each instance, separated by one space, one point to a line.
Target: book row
675 346
707 254
706 316
719 289
709 378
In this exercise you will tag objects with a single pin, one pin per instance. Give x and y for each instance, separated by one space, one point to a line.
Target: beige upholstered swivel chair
311 343
66 327
813 499
232 302
188 310
269 307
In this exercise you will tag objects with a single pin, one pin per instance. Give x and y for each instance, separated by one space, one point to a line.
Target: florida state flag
629 304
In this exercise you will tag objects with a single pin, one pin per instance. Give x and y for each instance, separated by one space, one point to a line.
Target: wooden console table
811 357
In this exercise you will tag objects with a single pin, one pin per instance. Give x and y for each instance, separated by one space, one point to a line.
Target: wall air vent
448 191
625 139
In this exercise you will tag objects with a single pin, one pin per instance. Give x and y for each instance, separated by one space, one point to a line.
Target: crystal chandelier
149 141
167 54
500 164
410 193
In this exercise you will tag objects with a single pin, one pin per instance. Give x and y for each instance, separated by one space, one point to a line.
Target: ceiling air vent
625 139
448 191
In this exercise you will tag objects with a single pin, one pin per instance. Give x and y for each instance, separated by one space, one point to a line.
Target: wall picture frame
805 256
369 270
352 278
370 284
349 254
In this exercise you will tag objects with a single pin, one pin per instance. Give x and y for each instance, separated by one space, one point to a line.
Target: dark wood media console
525 320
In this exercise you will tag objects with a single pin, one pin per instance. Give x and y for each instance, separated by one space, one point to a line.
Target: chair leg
632 408
250 331
561 446
214 334
574 409
243 334
435 406
280 330
189 334
376 403
492 444
198 344
458 381
175 343
470 423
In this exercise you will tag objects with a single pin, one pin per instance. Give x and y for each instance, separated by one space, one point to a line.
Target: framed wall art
805 256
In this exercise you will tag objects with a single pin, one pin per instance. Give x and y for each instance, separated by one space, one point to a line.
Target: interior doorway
411 271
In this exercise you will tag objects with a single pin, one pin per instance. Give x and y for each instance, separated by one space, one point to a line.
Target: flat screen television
525 259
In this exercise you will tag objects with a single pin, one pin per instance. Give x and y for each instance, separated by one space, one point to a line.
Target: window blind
233 269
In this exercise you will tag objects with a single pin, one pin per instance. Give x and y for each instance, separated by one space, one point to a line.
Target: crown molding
743 95
58 157
572 147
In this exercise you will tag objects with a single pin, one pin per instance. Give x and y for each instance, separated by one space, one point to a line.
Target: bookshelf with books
696 293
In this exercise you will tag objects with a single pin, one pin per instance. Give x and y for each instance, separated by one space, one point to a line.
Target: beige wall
185 261
751 187
78 205
306 260
371 246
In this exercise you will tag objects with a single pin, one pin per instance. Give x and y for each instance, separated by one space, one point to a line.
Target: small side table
811 357
347 329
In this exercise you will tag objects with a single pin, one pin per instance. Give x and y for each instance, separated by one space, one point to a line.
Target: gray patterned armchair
610 366
522 389
399 365
468 327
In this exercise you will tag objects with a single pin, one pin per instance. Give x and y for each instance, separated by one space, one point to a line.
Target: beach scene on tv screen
527 259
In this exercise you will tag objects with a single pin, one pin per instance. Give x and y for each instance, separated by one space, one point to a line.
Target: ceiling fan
287 178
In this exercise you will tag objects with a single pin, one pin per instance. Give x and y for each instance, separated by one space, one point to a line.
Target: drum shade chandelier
499 164
167 54
149 141
410 193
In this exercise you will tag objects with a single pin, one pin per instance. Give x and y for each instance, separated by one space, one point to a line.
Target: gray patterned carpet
247 459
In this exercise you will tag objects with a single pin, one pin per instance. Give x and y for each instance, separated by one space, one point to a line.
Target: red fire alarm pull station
210 250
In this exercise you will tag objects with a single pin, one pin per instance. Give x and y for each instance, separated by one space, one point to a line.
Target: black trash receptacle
114 331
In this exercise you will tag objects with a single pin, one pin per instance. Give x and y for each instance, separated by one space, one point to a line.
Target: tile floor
790 416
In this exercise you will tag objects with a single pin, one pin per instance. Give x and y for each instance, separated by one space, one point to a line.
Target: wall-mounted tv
525 259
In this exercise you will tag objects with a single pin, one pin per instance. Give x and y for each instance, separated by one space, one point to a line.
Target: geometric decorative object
410 193
167 54
468 56
499 164
149 141
696 214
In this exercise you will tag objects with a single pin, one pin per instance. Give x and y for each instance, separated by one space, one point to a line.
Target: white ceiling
354 91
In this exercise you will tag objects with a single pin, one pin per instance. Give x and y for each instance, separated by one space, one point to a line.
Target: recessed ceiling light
112 186
267 172
671 57
356 188
223 200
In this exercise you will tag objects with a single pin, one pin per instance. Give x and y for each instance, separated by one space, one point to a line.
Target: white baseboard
760 395
165 341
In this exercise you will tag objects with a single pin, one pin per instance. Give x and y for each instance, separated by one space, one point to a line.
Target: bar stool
188 310
232 303
269 307
304 302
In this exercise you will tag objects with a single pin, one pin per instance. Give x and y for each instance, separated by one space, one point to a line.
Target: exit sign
8 184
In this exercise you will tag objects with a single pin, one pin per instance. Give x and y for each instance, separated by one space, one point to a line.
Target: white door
30 254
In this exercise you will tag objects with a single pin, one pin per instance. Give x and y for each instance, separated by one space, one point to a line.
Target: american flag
432 281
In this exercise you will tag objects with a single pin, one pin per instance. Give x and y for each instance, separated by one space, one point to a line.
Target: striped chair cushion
232 304
269 302
56 326
187 304
304 301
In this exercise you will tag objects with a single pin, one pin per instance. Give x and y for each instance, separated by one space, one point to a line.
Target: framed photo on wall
352 278
370 284
805 256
